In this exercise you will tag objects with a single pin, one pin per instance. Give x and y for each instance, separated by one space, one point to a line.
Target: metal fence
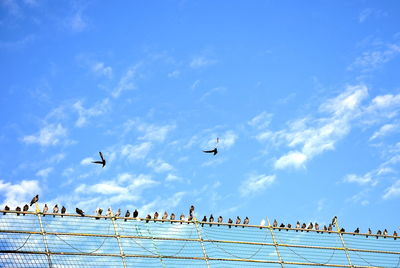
37 240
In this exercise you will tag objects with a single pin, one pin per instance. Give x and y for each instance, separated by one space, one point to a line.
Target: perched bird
325 228
148 218
262 223
238 220
191 210
102 162
80 212
230 221
394 235
281 226
289 226
190 218
55 210
118 213
155 216
34 199
310 226
385 232
356 231
275 224
203 221
369 232
25 208
297 225
342 230
45 209
6 208
316 226
172 217
182 217
165 216
98 213
303 226
211 219
108 213
246 221
63 210
214 151
334 221
17 209
220 219
330 228
378 233
127 214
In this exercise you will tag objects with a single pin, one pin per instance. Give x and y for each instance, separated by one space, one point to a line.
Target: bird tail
54 216
125 220
230 226
17 214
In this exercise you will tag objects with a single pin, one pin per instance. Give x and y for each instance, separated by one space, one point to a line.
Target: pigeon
238 220
17 209
369 232
6 208
220 219
316 226
230 221
108 213
191 210
102 162
172 217
45 209
275 224
394 235
190 218
80 212
303 226
25 208
63 210
34 199
356 231
330 228
127 214
118 213
135 213
297 225
211 219
281 226
325 228
262 223
182 217
98 213
165 216
310 226
385 232
55 210
155 216
203 221
342 230
246 221
214 151
378 233
334 221
148 218
289 226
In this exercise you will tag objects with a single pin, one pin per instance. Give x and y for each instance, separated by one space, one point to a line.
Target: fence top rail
188 222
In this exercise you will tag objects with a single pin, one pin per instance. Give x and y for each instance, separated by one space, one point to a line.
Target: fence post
43 232
201 240
343 243
275 244
121 251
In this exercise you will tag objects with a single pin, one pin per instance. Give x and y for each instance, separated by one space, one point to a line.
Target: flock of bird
211 220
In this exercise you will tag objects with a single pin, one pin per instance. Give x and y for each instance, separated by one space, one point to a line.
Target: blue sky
304 97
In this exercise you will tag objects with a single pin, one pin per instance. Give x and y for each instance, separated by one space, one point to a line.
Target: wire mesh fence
37 240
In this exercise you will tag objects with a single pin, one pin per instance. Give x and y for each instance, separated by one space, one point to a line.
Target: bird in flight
102 162
35 199
214 151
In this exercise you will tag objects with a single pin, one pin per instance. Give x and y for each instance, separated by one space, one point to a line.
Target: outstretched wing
101 155
209 151
97 162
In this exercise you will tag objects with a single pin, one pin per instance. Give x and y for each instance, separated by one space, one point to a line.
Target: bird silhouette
17 209
310 226
118 213
172 217
45 209
6 208
213 151
378 233
148 218
369 232
203 221
334 221
230 221
325 228
281 226
182 217
246 221
289 226
98 213
55 210
165 216
394 235
127 214
329 228
155 216
385 232
80 212
102 162
25 208
303 226
316 225
108 213
63 210
342 230
34 199
275 224
297 226
356 231
135 213
220 219
238 220
191 210
190 218
211 219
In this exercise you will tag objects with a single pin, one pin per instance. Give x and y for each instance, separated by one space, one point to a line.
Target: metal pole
275 244
343 243
201 241
43 233
117 236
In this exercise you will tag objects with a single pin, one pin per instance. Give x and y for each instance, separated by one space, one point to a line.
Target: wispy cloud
159 166
201 61
384 130
393 191
138 151
151 132
18 44
367 13
367 178
48 135
44 173
371 60
256 183
213 91
261 120
174 74
100 69
127 81
85 114
77 22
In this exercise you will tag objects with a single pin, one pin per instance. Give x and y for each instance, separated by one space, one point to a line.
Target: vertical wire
201 241
275 243
121 251
43 232
343 243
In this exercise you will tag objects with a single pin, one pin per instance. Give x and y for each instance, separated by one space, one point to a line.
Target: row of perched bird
302 227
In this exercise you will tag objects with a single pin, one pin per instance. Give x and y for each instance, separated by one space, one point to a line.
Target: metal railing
38 240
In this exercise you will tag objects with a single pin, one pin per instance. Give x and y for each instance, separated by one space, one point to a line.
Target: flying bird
148 218
155 216
80 212
7 208
102 162
203 221
334 221
55 210
191 210
172 217
127 214
17 209
63 210
135 214
108 213
165 216
45 209
262 223
246 221
220 219
213 151
182 217
356 231
230 221
211 219
25 208
238 220
34 199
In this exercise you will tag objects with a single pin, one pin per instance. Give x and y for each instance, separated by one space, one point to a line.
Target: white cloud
87 161
367 13
393 191
18 194
172 177
150 132
374 59
360 198
256 183
174 74
213 91
85 114
138 151
201 61
384 130
261 121
100 69
48 135
127 81
294 158
159 166
77 23
44 172
365 179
